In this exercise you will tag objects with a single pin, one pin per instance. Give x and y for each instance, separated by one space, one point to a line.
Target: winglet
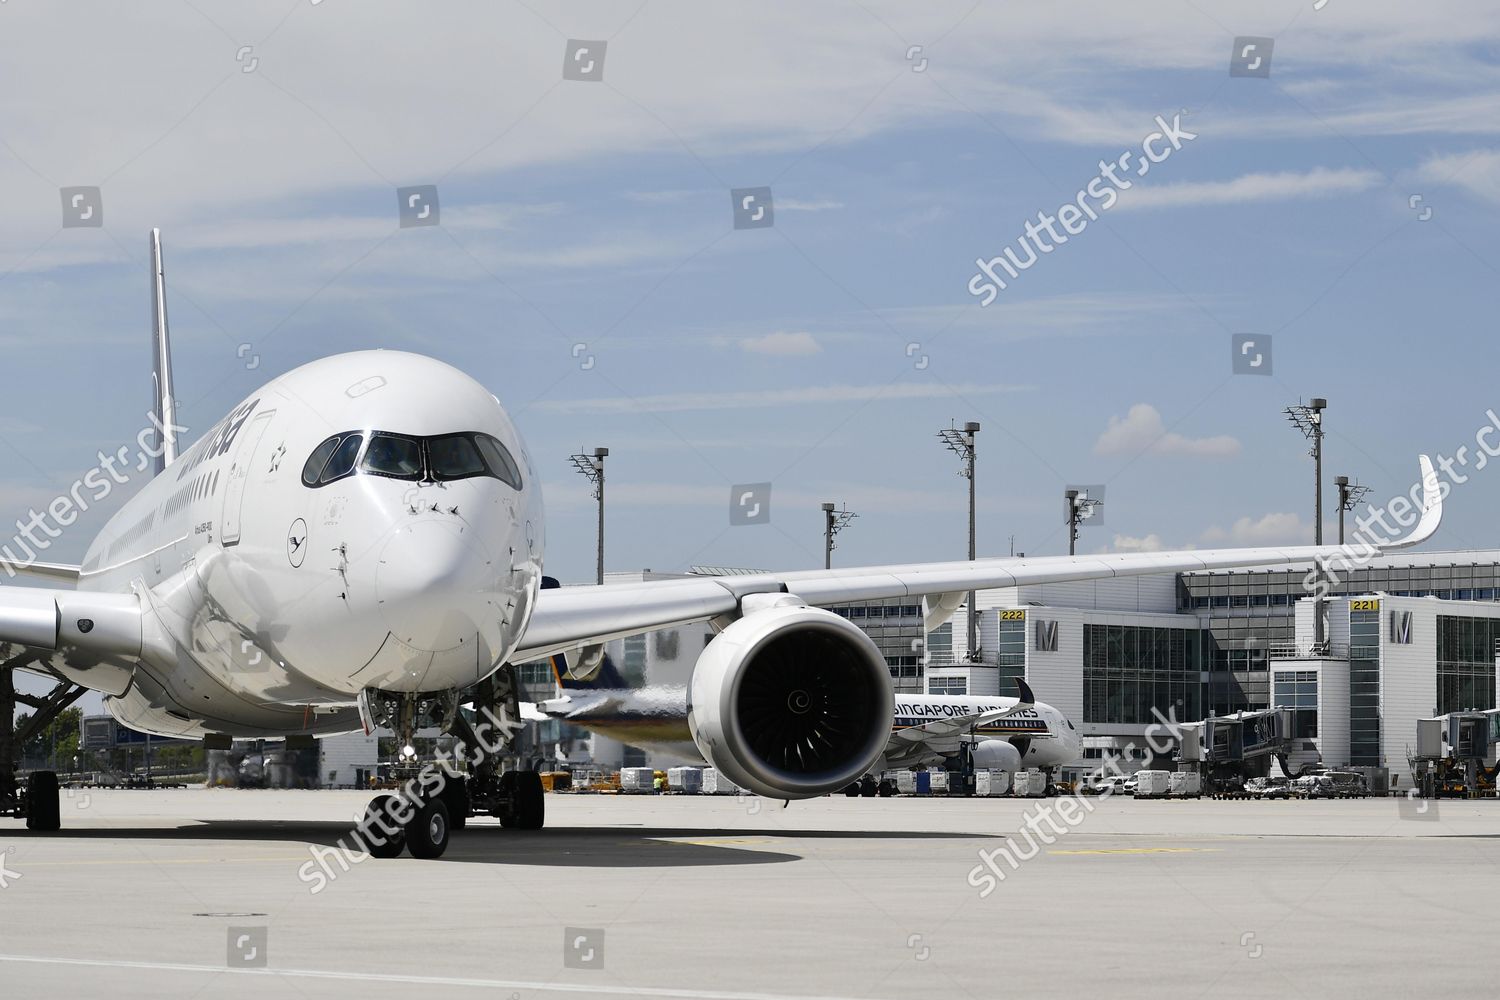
1432 508
1024 692
163 405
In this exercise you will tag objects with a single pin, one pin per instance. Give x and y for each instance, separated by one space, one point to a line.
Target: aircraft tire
379 843
530 800
427 833
43 810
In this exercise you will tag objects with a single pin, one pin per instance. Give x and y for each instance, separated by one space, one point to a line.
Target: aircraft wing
568 617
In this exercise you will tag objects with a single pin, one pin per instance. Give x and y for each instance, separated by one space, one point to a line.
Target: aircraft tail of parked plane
360 541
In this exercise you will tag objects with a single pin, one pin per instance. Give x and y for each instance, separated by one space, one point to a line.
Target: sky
1336 205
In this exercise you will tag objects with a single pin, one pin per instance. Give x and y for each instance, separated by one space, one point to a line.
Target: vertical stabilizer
163 404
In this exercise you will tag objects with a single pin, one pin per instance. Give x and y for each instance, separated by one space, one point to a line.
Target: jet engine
996 755
791 701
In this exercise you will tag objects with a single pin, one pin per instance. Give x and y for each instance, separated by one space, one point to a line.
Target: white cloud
762 398
1477 171
799 205
1128 543
1320 182
782 344
1142 430
1272 529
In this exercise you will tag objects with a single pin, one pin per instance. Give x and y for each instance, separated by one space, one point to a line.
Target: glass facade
1298 690
1011 655
1364 688
1466 663
1128 670
1247 612
896 627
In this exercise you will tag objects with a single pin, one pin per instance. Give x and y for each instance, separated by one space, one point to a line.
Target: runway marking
1147 850
372 977
713 841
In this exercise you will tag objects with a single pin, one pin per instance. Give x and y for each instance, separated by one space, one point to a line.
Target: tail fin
606 678
163 405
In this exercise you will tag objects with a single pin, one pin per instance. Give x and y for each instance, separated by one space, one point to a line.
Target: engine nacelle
996 755
791 701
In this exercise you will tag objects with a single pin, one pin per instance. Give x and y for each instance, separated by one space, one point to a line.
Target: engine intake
791 702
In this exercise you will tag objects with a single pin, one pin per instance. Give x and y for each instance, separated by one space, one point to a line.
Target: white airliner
1002 733
360 541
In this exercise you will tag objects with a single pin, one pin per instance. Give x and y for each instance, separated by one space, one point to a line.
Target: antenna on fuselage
163 405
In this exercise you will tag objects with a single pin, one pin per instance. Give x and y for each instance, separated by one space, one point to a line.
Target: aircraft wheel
427 833
456 798
530 801
43 811
505 811
380 817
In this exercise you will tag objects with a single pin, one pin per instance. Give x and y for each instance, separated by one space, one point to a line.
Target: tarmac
218 893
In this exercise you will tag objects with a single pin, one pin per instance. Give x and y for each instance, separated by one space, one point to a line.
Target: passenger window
453 456
318 459
393 456
342 462
501 464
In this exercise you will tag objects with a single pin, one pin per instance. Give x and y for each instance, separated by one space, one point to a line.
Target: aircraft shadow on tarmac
566 847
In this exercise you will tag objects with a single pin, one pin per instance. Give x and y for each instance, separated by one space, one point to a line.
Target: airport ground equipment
1185 785
991 783
1152 784
1449 760
1030 784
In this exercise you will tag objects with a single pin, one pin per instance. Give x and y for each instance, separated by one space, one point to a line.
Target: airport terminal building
1407 637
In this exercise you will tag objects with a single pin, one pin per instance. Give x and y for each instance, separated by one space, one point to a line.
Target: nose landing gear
438 797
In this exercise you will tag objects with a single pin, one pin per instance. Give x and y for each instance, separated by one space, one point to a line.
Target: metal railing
1292 651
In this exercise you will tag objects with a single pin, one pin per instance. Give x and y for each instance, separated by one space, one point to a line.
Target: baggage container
687 780
636 779
1029 784
1186 785
1152 784
990 783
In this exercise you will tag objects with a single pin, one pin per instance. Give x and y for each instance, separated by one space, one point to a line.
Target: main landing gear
439 796
37 798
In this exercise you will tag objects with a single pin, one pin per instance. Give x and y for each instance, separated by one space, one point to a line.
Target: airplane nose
432 582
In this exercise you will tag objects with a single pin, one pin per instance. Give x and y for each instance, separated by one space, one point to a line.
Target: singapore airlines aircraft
360 542
1004 734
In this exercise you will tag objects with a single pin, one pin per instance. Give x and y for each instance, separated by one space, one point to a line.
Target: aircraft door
239 473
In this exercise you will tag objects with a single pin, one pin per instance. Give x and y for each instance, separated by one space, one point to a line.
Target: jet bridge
1230 747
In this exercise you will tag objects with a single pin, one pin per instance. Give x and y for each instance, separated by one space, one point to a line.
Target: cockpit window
317 460
394 456
440 458
502 465
453 456
342 462
333 459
